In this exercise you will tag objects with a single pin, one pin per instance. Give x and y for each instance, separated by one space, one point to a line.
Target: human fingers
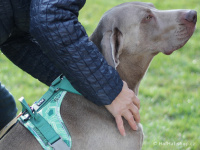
132 95
120 125
136 101
129 117
135 112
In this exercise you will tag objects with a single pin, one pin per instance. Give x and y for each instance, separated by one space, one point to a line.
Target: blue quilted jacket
55 42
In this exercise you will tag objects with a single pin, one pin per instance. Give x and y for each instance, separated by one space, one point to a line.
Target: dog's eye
147 18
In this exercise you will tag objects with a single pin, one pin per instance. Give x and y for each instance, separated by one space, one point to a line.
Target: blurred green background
169 93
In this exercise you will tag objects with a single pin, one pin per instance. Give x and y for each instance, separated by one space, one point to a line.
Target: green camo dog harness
43 118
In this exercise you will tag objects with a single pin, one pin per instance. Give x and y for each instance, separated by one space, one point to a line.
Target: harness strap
32 115
62 83
59 83
40 123
7 127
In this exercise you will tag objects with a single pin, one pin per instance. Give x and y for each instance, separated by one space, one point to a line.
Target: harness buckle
27 115
59 145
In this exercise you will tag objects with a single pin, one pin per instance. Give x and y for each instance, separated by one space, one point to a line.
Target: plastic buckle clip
59 145
27 115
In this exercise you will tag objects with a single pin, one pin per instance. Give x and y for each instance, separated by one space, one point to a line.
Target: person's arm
17 44
63 39
25 52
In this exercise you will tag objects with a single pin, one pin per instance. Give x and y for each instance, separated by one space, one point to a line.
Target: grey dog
129 36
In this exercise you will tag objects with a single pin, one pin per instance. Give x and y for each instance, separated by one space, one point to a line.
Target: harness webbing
34 118
41 124
60 83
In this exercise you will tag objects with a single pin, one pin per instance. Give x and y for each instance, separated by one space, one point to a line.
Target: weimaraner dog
129 36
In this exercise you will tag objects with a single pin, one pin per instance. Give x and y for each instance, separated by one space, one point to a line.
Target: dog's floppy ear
111 45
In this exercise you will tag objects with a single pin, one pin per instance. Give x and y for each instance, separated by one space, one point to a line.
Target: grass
169 92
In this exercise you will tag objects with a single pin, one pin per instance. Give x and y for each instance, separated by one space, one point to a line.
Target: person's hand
126 105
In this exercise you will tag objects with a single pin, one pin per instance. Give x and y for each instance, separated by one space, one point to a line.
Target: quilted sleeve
63 39
17 44
6 24
25 52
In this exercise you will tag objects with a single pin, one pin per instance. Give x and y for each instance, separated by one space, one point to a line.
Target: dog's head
137 28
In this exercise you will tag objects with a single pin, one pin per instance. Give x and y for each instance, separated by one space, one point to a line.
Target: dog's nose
191 16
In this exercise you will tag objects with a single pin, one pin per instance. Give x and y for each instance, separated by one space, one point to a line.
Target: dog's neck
132 68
